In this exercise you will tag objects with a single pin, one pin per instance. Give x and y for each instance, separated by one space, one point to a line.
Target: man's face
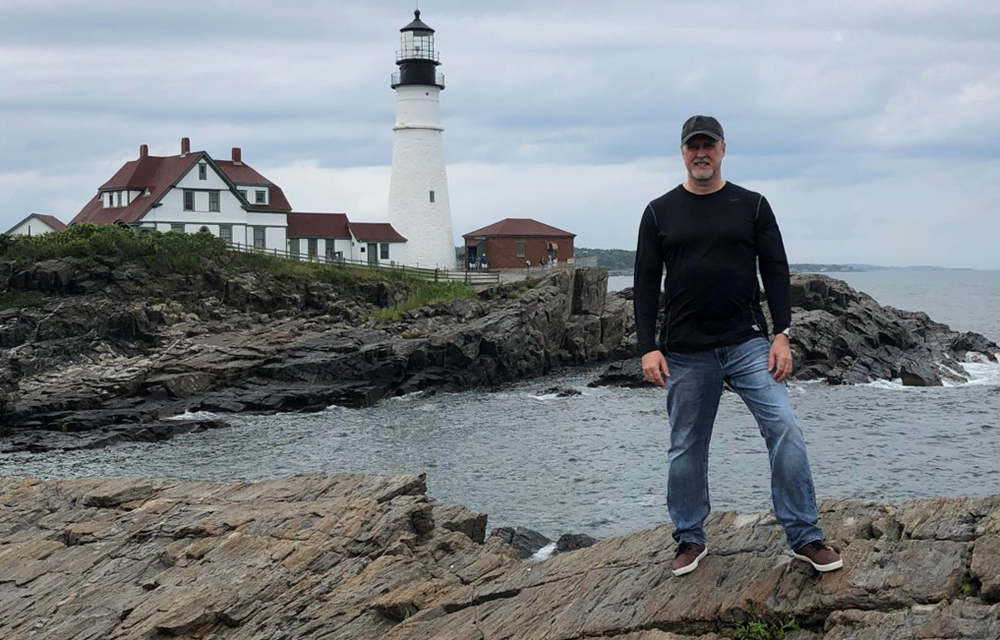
703 157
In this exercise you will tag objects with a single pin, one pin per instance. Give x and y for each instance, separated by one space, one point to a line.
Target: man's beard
703 173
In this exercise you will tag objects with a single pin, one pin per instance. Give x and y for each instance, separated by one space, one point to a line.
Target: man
711 236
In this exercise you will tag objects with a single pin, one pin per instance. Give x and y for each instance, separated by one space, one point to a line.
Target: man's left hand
779 361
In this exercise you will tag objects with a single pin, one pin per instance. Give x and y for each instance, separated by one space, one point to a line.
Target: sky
873 127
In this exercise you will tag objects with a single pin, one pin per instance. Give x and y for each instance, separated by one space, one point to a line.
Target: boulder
572 541
524 541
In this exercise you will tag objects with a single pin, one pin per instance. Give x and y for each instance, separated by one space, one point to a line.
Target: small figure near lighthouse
419 207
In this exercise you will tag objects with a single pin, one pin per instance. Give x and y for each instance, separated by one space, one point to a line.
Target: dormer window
202 171
260 196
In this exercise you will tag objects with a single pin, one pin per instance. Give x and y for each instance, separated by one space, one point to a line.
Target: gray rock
524 541
842 336
112 354
572 541
367 557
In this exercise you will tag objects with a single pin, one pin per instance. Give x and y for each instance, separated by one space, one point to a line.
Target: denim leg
693 391
792 489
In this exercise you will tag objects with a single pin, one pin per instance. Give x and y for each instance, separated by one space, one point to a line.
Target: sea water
596 462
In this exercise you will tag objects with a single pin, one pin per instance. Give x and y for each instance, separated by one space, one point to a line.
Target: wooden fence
433 275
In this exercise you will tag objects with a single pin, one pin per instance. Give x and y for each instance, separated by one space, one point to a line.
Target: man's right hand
655 369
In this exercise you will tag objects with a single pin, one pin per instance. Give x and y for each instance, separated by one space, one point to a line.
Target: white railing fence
433 275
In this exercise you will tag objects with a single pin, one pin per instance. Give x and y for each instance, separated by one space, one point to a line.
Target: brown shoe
820 555
687 558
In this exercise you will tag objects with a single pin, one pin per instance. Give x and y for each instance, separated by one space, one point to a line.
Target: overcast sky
872 126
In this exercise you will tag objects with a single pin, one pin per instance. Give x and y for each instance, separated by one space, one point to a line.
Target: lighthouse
419 208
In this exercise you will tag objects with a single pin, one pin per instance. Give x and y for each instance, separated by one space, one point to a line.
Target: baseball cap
701 125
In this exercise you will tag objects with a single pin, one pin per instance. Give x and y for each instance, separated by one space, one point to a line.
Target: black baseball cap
701 126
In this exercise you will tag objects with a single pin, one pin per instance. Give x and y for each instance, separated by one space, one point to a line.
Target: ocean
595 463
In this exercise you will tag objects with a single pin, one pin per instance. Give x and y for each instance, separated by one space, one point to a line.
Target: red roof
375 232
158 174
520 227
318 225
52 221
244 174
137 174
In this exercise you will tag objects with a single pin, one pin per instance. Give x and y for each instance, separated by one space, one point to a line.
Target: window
202 172
432 196
213 200
260 196
204 230
258 237
226 232
177 227
118 198
383 249
313 248
188 200
293 248
519 249
243 193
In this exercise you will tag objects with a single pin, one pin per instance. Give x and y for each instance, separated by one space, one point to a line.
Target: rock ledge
363 556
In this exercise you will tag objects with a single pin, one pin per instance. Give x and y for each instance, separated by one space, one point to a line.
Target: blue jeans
693 392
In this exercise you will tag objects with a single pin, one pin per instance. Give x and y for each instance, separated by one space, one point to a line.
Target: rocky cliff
104 354
358 557
843 336
100 354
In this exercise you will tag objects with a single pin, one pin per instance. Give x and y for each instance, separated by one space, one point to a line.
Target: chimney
143 150
237 155
185 146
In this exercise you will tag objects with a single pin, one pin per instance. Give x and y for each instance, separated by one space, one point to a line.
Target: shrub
425 294
759 630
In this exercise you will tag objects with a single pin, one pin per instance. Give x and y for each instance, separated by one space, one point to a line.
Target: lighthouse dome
417 24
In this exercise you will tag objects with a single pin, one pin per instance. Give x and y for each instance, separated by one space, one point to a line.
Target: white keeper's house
193 192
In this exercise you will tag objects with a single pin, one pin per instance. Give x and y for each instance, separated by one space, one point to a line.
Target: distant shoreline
620 262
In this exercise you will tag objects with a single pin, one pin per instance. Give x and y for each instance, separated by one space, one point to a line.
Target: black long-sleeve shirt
711 246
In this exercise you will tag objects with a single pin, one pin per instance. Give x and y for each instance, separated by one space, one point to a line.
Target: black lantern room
417 59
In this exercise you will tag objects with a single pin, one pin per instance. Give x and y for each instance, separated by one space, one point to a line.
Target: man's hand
779 361
655 369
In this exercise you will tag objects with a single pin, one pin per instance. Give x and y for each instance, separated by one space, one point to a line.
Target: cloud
873 114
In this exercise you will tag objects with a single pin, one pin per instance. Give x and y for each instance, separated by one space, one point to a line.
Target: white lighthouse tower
418 186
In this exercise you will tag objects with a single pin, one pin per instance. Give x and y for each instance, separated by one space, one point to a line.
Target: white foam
544 397
194 415
980 370
545 552
895 384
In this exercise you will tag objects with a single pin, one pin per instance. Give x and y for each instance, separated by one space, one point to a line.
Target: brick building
513 242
